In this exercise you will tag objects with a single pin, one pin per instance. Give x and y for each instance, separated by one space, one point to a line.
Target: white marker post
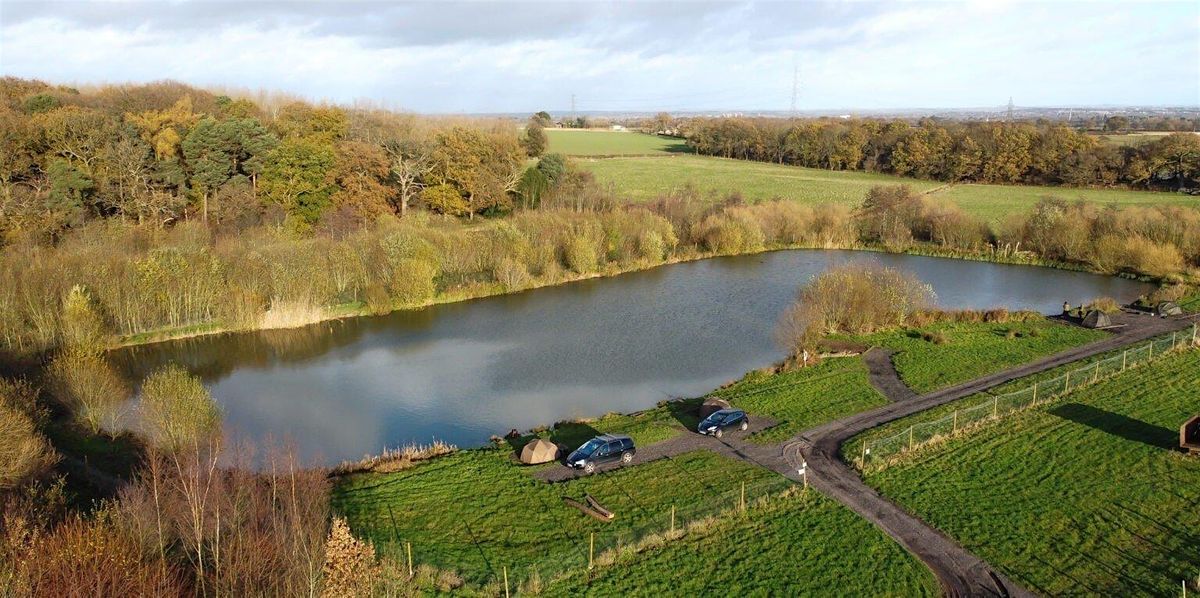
803 471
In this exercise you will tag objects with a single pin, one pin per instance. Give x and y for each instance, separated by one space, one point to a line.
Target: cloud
502 56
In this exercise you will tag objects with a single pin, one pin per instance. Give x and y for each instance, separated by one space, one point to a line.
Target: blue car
716 423
606 448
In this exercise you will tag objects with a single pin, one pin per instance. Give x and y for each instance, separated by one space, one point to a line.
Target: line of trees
1040 153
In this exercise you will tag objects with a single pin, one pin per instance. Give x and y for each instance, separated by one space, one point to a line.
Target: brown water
461 372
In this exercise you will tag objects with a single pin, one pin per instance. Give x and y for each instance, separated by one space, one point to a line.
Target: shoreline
344 311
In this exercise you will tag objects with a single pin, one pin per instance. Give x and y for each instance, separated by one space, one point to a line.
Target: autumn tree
359 175
534 141
296 177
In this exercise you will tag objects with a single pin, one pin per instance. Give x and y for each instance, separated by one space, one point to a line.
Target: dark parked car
719 421
605 448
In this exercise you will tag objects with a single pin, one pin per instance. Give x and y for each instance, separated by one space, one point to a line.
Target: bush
25 454
580 255
88 386
853 298
176 410
412 281
511 274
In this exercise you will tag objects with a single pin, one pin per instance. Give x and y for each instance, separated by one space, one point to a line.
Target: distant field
1132 138
645 178
1086 495
612 143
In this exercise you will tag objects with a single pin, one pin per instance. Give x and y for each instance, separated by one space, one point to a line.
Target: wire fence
989 409
504 565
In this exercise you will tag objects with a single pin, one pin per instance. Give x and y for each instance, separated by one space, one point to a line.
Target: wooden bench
1189 436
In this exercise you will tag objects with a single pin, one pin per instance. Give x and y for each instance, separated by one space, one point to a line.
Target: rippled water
461 372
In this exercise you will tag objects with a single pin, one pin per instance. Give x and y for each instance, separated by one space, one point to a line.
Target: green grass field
1082 496
643 179
1134 139
573 142
805 398
477 511
973 350
801 545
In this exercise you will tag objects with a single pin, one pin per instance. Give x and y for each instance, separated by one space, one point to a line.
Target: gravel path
884 376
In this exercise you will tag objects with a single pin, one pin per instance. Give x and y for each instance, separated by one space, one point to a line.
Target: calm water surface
462 372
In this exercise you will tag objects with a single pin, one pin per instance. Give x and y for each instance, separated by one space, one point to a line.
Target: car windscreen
715 418
590 447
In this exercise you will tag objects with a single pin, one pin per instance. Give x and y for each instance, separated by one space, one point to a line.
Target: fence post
1173 341
1034 394
954 426
1194 326
743 496
591 548
1151 351
408 546
1067 383
864 453
1096 374
506 581
672 519
1124 354
910 438
996 407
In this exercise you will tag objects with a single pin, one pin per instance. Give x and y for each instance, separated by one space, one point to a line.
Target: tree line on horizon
1036 153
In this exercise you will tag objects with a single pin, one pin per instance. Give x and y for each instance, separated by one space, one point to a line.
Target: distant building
617 128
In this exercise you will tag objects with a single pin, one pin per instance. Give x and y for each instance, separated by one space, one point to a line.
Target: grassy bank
646 178
477 511
947 353
1085 495
799 545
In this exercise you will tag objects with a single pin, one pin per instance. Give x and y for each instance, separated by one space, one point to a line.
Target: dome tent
711 406
539 451
1096 319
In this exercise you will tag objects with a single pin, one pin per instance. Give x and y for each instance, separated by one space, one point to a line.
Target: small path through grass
884 376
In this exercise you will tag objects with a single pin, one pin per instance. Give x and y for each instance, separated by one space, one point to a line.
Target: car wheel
745 425
627 458
589 467
719 433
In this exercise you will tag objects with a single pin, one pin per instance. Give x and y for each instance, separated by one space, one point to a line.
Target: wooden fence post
1067 383
408 545
864 453
1096 374
506 581
1034 393
1151 351
743 496
591 548
672 519
1124 355
910 438
954 426
996 407
1173 341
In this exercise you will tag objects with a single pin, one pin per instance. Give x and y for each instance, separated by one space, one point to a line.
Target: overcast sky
520 57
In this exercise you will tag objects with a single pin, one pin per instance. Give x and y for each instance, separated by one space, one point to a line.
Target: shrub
378 300
936 337
412 281
853 298
511 274
580 255
350 569
24 453
87 385
176 410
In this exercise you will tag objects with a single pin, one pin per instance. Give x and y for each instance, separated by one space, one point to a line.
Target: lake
462 372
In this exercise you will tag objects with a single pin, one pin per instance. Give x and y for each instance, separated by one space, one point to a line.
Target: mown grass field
573 142
972 350
1086 495
1134 139
801 545
476 512
805 398
644 179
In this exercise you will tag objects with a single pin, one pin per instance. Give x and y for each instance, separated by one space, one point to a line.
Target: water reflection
461 372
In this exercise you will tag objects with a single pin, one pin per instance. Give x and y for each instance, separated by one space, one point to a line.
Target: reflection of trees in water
217 356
